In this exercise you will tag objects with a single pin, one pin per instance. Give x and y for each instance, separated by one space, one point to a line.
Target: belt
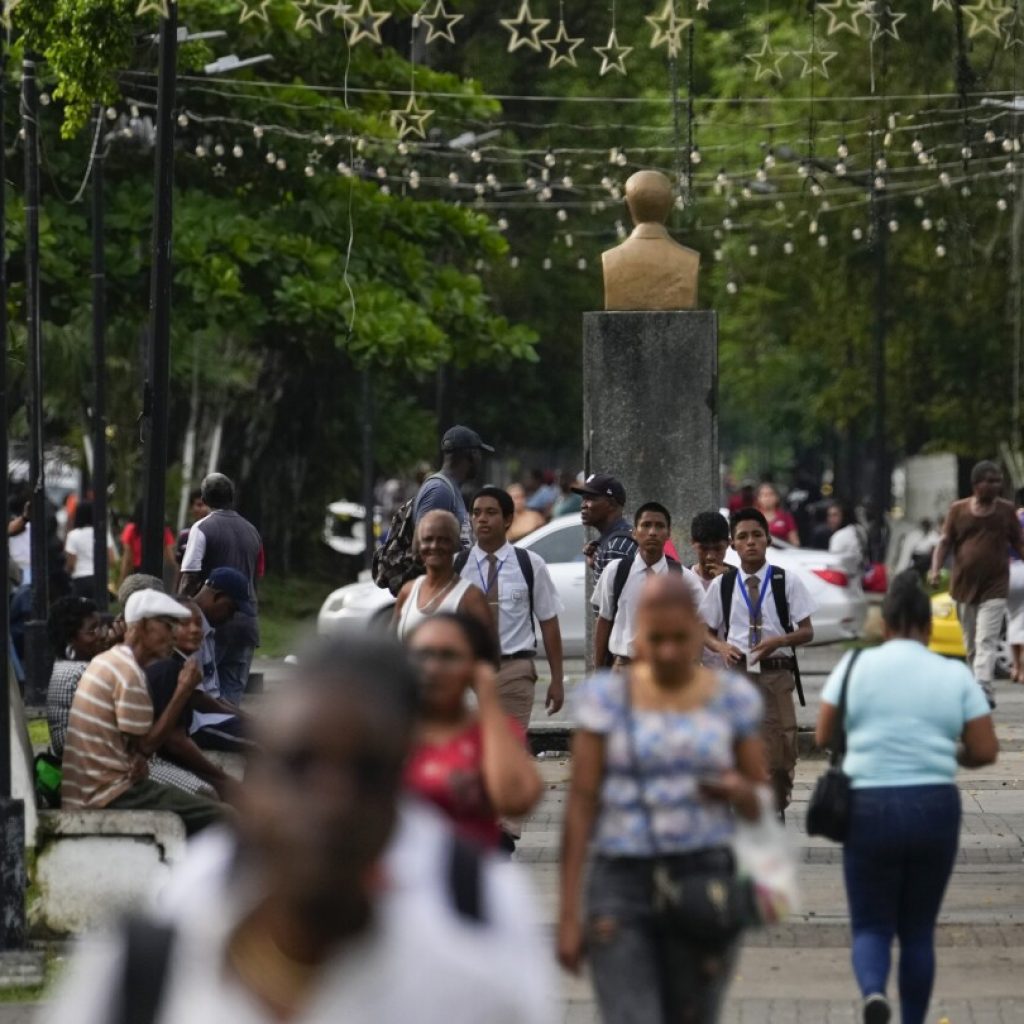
778 664
519 656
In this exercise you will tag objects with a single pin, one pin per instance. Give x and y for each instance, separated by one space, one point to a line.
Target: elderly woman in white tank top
436 543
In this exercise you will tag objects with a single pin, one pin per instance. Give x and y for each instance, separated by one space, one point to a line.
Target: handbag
828 813
695 897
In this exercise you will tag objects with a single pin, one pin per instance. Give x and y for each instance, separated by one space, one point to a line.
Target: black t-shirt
162 680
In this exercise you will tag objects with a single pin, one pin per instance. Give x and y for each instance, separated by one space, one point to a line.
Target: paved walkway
799 973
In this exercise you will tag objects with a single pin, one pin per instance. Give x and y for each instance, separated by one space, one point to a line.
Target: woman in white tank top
440 590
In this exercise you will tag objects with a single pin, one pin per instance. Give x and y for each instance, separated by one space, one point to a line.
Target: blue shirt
905 711
674 752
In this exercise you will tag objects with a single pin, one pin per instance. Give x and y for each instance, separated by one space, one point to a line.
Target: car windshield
564 544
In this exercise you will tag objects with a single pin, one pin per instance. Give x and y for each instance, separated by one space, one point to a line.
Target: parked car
841 605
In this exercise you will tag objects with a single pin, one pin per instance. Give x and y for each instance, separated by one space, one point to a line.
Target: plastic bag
765 856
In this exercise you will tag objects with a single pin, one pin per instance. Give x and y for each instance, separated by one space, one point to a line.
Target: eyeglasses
442 655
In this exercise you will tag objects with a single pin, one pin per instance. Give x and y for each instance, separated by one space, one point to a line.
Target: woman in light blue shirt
911 717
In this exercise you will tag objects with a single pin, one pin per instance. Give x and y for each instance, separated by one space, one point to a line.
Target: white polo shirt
515 628
801 606
621 642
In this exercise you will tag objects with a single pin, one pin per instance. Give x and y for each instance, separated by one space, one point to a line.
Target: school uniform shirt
211 681
515 627
621 642
801 606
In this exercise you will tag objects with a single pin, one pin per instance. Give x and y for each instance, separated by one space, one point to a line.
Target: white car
841 605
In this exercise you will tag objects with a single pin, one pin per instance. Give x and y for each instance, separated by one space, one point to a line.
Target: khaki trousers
516 682
779 730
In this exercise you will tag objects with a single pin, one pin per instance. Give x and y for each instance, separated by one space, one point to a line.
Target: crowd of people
364 858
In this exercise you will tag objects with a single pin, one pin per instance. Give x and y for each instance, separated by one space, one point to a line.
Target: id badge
753 668
518 597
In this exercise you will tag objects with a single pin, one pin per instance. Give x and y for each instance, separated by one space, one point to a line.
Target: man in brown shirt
980 531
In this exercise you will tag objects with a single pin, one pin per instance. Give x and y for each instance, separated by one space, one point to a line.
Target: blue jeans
233 664
640 974
897 861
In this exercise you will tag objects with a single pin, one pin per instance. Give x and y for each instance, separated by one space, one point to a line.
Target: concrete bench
92 864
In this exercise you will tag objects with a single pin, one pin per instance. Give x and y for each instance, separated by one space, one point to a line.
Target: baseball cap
235 585
462 438
601 485
151 604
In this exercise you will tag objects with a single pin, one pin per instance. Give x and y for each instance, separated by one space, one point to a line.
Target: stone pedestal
650 392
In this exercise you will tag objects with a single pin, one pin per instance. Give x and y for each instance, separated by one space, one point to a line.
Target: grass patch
288 608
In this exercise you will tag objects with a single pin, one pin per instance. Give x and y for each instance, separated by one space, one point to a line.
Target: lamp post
99 370
36 647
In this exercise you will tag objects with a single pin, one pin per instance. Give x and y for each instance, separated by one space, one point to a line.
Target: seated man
111 731
217 724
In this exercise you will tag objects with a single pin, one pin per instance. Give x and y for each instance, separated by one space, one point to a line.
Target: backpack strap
622 571
729 578
465 877
526 568
674 566
147 955
461 560
779 597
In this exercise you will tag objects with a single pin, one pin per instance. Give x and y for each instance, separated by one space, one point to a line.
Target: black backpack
525 567
778 586
394 564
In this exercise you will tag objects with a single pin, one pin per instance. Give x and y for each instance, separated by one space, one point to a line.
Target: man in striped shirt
604 499
111 731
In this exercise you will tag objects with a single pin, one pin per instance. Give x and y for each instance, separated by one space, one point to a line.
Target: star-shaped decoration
939 4
365 23
766 62
1015 30
253 9
525 29
411 120
315 157
613 56
219 170
5 17
668 28
986 17
562 47
440 23
883 20
845 15
312 14
156 6
815 60
703 5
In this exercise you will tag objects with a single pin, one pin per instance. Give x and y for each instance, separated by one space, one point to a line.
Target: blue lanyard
480 572
755 611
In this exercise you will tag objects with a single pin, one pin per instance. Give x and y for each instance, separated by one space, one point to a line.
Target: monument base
650 395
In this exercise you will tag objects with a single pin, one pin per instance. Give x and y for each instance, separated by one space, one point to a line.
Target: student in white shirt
618 591
79 551
497 568
750 635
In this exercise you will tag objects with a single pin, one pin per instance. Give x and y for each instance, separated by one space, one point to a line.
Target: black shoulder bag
828 813
696 897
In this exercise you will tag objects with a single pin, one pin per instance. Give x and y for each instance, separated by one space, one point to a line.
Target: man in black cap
604 499
463 452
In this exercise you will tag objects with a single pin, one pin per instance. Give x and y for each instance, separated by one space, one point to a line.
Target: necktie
754 591
492 584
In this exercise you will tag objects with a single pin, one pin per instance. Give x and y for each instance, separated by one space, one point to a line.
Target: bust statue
649 270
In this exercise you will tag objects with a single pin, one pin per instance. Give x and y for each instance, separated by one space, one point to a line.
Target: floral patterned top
674 751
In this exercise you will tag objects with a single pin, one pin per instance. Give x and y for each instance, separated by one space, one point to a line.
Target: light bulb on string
858 234
944 179
732 287
271 156
734 203
546 263
803 169
309 170
257 132
182 118
842 150
752 249
621 160
966 152
917 146
567 182
769 160
940 250
200 151
780 205
761 174
787 248
403 149
816 189
514 262
722 178
923 158
965 191
479 188
503 224
919 202
549 159
414 179
453 177
531 184
881 164
880 184
476 156
894 226
562 216
887 140
812 228
719 255
382 172
329 140
237 152
840 170
344 169
492 181
822 241
727 224
581 263
616 193
1001 204
695 157
1007 145
545 175
746 193
545 194
990 136
620 230
927 224
281 164
218 150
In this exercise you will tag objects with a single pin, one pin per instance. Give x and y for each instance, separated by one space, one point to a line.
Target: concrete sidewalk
799 973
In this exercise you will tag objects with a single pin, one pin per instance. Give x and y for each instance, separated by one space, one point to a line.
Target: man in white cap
111 731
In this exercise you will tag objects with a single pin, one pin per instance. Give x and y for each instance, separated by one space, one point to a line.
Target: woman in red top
131 541
780 523
473 765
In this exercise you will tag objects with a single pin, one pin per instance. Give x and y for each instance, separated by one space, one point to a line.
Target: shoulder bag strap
461 559
622 570
526 568
839 732
728 588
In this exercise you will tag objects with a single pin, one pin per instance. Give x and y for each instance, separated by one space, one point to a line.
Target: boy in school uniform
750 614
709 538
621 584
519 589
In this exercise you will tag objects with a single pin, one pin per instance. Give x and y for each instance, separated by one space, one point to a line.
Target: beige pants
779 730
516 682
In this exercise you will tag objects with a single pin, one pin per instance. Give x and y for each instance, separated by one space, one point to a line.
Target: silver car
840 603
